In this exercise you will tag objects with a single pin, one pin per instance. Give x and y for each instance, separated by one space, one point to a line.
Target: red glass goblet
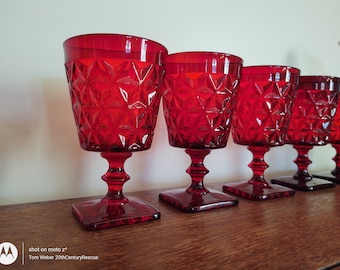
314 108
198 102
334 140
114 82
260 121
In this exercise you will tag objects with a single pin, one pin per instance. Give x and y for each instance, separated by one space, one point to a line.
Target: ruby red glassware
262 111
334 140
310 125
198 102
115 84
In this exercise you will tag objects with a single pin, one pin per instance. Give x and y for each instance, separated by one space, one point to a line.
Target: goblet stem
197 170
336 158
302 161
257 188
115 177
302 180
258 165
114 209
196 197
334 175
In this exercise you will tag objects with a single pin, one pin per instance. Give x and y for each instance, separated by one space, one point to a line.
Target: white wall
39 154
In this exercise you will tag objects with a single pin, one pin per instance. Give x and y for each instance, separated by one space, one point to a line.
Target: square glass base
327 176
195 202
303 185
257 192
96 215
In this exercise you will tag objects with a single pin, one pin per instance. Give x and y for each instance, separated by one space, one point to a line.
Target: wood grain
299 232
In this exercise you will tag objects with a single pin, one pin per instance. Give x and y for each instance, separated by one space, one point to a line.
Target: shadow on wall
40 155
18 123
59 137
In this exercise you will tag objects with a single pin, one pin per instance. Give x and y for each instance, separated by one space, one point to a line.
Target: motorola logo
8 253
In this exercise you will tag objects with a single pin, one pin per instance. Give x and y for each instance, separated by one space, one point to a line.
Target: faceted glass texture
198 102
115 92
199 98
264 105
314 108
115 84
335 128
261 116
310 124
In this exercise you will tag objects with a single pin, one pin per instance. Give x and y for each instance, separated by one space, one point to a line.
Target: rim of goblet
188 57
333 81
262 69
319 78
79 41
122 36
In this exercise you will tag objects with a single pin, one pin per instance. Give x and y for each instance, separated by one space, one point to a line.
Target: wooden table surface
299 232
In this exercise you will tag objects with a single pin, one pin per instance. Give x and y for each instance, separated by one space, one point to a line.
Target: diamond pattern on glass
197 109
335 129
115 102
312 114
261 112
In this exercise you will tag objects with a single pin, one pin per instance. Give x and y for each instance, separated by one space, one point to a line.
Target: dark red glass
198 102
334 139
115 87
310 125
263 108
